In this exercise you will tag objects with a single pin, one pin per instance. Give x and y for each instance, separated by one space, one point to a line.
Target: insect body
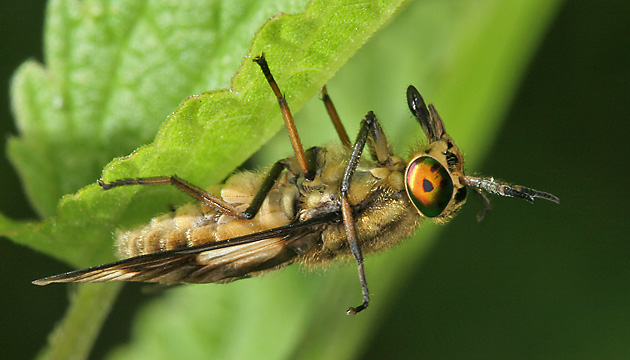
321 204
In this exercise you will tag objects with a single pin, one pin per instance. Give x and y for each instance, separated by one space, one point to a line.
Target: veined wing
213 262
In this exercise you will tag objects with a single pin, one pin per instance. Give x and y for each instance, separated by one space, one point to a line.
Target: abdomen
196 223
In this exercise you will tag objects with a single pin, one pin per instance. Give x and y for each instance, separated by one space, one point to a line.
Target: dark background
533 282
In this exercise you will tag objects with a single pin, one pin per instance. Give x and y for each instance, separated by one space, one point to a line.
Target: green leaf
462 55
202 140
466 57
116 69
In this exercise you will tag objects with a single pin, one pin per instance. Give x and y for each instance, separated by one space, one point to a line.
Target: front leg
369 130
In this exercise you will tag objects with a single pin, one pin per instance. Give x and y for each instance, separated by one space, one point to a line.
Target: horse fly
321 204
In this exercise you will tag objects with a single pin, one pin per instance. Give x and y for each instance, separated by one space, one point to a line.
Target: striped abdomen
196 223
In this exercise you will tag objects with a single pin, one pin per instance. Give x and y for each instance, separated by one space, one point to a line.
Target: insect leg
369 130
332 112
205 196
486 204
288 118
348 222
264 189
183 185
378 144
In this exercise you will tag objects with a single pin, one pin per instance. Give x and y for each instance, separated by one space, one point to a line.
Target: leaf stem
74 336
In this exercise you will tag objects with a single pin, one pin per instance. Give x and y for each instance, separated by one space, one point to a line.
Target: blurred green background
528 283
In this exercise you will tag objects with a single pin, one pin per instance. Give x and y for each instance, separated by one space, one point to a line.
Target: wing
214 262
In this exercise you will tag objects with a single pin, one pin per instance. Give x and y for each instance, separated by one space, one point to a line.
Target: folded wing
221 261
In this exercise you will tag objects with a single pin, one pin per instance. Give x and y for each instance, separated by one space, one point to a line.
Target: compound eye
429 185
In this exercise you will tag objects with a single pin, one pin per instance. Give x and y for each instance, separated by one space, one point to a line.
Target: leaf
286 315
115 68
467 58
114 71
202 141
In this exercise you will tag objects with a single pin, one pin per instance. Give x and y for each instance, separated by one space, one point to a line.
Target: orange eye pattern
429 185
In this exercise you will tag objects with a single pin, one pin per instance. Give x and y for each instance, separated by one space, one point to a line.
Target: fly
321 204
